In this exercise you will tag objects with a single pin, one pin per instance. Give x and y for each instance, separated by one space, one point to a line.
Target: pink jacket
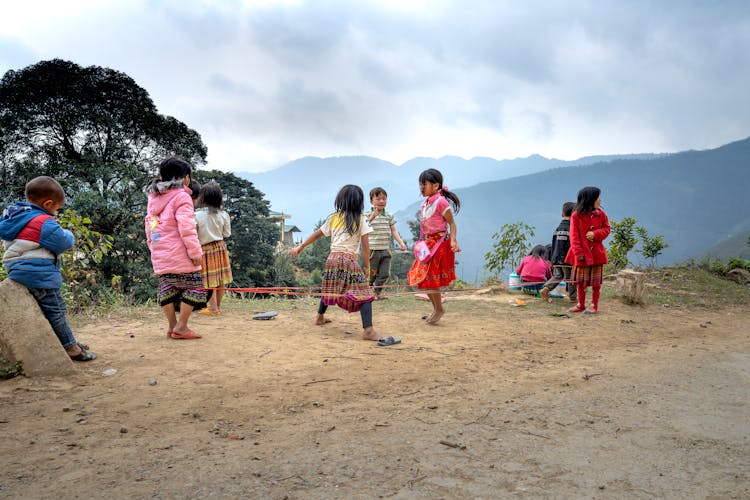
534 269
170 232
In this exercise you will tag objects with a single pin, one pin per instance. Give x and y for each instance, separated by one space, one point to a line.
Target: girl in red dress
589 227
435 218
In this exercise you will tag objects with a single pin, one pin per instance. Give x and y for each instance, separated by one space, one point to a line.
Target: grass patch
693 287
9 369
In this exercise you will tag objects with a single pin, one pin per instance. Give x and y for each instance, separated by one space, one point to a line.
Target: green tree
414 227
79 265
623 241
510 246
254 234
651 247
100 135
314 256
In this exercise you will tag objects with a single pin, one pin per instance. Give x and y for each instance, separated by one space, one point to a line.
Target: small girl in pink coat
175 248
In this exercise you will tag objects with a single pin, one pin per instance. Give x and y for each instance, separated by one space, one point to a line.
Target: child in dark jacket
33 240
560 247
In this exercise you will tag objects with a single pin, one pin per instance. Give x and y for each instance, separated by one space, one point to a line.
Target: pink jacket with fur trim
170 232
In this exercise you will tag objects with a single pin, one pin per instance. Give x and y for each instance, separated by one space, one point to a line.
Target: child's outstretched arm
309 241
448 215
397 237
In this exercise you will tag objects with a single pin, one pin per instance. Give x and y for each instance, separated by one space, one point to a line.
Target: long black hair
586 198
350 201
433 175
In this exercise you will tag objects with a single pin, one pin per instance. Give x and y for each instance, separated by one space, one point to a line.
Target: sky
265 82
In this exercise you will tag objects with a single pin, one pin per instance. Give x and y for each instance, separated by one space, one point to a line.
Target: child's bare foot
435 317
370 334
321 320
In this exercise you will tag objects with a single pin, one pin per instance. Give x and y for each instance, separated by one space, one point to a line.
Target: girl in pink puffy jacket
175 249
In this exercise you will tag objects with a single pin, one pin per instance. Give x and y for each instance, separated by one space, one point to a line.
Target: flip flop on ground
190 334
386 341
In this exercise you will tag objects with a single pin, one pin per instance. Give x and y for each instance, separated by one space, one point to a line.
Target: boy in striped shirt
384 228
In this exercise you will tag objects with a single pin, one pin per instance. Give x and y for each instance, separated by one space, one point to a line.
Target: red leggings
594 296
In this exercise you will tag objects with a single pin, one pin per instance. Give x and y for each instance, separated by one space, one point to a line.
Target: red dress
440 269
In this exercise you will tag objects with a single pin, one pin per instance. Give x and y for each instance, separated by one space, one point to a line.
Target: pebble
152 382
109 372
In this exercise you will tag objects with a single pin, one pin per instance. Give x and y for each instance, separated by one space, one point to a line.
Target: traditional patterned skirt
439 270
344 283
216 268
587 275
186 287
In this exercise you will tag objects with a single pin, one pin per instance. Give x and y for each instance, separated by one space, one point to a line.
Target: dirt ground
496 401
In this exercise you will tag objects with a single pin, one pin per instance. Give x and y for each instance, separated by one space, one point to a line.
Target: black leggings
365 311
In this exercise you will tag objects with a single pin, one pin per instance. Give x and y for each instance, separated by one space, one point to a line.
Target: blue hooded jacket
31 258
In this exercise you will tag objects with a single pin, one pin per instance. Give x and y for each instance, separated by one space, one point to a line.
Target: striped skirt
216 269
344 283
587 275
186 287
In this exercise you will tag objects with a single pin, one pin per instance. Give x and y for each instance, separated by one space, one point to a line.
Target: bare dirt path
496 401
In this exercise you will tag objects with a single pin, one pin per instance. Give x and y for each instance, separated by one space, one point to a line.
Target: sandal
209 312
576 309
190 334
84 355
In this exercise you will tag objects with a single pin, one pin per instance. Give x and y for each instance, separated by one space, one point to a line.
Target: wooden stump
26 335
629 285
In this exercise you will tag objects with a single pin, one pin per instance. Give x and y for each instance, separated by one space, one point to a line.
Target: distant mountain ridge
306 188
695 199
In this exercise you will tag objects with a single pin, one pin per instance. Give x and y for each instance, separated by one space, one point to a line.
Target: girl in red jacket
589 227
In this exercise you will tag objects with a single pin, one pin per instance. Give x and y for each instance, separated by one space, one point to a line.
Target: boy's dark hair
587 196
174 167
44 188
433 175
195 188
567 209
211 196
350 201
377 191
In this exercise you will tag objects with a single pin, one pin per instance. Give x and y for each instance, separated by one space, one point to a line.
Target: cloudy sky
265 82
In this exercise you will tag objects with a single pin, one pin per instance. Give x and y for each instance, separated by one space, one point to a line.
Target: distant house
288 238
286 234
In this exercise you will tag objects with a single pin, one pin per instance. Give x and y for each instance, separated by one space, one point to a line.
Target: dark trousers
380 269
561 272
365 311
53 307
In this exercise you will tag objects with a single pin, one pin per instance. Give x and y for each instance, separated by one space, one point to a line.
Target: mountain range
695 199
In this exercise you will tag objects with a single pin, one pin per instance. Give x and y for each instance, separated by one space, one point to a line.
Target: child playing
560 246
344 283
384 228
213 226
33 240
589 226
534 269
175 249
435 218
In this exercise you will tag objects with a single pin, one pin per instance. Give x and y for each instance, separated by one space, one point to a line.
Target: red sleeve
575 236
601 233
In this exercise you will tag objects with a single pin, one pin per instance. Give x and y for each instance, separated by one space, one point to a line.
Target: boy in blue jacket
33 239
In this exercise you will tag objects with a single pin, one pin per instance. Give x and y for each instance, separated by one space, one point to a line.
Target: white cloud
269 81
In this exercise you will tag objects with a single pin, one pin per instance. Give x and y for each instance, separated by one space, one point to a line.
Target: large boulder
739 275
629 285
26 335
